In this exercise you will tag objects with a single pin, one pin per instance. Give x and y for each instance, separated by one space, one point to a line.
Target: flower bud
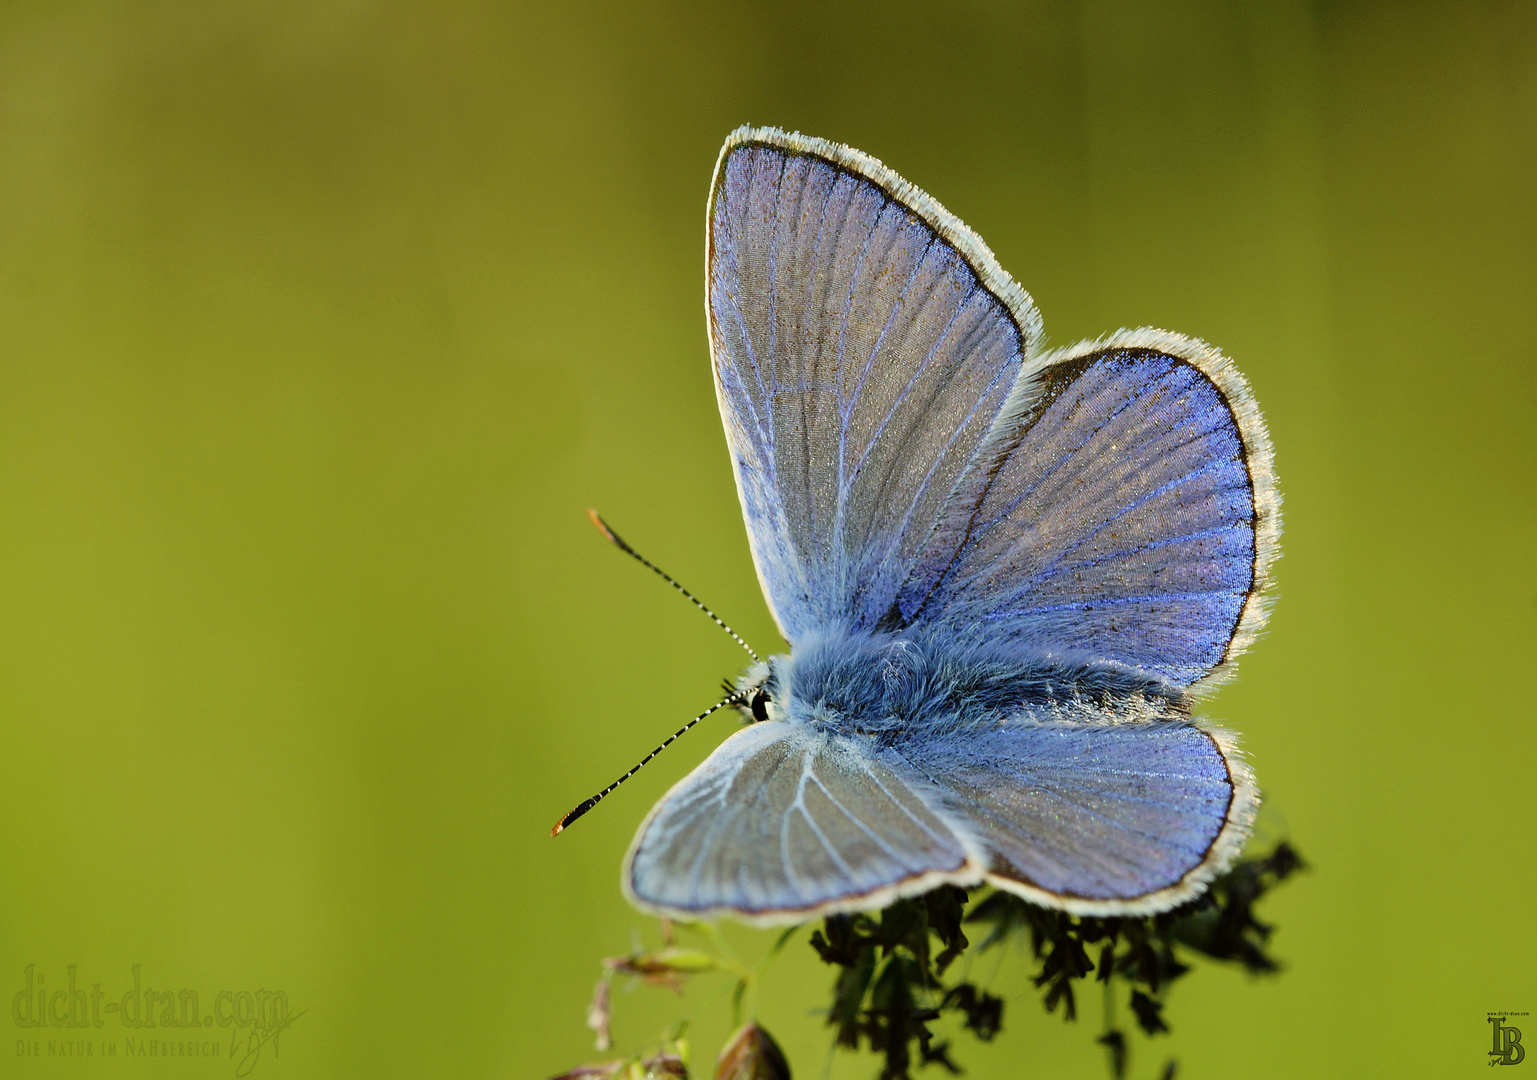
752 1054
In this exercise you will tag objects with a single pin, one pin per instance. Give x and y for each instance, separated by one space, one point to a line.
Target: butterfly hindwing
782 822
1097 818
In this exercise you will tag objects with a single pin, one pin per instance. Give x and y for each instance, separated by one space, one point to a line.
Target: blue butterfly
1005 574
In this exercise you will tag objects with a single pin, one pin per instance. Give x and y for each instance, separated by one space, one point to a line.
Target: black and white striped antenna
731 699
613 538
587 804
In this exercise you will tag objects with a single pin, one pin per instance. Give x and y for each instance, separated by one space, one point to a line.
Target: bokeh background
322 323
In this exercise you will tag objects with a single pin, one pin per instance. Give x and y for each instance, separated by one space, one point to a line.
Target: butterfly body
897 687
1006 575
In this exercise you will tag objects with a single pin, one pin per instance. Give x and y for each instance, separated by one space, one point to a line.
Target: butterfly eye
760 702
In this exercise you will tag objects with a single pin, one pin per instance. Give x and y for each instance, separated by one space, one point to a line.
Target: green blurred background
322 323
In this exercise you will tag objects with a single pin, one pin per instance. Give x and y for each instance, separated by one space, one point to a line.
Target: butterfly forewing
864 346
1131 520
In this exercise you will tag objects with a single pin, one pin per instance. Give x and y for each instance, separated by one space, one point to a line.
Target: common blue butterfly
1006 574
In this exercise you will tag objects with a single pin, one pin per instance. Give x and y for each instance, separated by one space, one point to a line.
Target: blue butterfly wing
783 821
865 344
1097 818
1131 518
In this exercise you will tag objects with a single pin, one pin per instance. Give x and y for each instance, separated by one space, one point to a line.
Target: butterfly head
759 691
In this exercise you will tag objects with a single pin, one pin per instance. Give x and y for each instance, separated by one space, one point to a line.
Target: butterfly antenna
587 804
612 537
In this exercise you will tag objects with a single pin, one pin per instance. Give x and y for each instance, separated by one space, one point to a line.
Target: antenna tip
575 813
599 524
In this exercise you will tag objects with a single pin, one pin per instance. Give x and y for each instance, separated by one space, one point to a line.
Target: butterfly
1006 575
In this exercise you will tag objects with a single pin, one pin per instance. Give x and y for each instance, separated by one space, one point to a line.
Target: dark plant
891 987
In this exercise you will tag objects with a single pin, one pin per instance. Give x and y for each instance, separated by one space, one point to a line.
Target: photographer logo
1507 1049
145 1022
